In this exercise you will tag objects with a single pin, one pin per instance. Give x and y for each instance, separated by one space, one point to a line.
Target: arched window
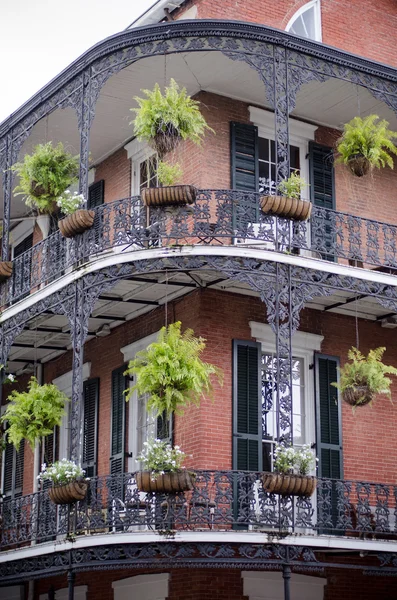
306 22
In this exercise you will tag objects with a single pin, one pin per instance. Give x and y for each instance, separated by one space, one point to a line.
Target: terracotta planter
357 396
68 493
5 270
359 165
289 208
169 483
170 195
77 222
289 485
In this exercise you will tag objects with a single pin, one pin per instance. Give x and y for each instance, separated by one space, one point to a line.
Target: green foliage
171 372
163 119
367 371
370 138
168 174
160 457
293 186
33 414
45 175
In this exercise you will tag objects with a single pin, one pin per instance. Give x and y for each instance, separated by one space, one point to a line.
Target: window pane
263 149
294 157
304 25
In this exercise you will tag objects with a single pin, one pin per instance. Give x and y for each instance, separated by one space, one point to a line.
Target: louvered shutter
247 406
90 426
322 190
23 246
13 470
244 158
8 469
119 384
19 462
96 194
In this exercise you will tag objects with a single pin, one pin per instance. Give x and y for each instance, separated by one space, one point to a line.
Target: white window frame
144 587
261 585
303 346
317 18
137 152
80 593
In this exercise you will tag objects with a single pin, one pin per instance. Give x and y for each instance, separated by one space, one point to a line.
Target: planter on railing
77 222
289 485
169 483
169 195
68 493
289 208
5 270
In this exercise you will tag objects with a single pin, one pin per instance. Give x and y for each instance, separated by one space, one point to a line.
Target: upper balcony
294 96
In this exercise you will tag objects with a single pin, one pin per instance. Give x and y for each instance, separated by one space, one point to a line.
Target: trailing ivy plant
365 372
171 372
369 138
33 414
293 186
45 174
163 120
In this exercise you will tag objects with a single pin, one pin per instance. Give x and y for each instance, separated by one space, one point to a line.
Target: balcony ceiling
47 337
331 103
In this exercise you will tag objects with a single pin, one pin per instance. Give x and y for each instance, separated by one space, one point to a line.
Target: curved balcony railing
219 501
219 217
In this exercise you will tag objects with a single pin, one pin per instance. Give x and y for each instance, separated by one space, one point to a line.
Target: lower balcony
220 501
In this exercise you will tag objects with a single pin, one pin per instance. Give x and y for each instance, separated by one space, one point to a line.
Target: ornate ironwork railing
220 501
219 217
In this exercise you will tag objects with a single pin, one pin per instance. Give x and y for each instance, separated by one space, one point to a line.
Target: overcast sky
39 38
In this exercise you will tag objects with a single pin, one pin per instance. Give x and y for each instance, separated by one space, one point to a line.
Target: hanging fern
368 137
171 372
33 414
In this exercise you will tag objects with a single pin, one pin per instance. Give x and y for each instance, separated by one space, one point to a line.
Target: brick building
280 303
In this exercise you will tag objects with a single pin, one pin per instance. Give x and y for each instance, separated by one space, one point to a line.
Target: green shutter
90 426
329 430
13 470
244 157
247 406
96 194
322 191
117 443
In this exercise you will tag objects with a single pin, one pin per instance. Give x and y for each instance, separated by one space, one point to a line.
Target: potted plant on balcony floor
172 375
362 378
68 482
44 175
291 476
163 121
76 219
366 144
288 202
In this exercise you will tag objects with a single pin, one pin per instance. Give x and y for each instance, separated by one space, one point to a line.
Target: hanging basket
357 396
170 195
169 483
5 270
359 165
37 189
289 208
68 493
289 485
77 222
164 142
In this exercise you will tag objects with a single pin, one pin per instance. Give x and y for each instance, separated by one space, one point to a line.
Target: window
147 587
267 164
143 166
306 22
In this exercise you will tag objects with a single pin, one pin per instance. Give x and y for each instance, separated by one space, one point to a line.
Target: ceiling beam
129 300
169 282
393 314
33 347
348 301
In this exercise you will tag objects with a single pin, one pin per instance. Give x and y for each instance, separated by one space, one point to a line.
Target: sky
39 38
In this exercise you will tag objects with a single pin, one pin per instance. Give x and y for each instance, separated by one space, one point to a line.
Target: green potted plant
164 120
163 470
44 175
366 143
33 414
364 377
76 219
172 375
288 202
292 467
68 481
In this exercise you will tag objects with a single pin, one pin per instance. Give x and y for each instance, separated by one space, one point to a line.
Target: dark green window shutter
96 194
90 426
23 246
247 406
244 157
322 193
117 443
329 430
13 470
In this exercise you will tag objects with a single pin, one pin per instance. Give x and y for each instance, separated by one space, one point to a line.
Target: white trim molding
299 131
260 585
142 587
315 4
80 593
301 340
129 351
64 382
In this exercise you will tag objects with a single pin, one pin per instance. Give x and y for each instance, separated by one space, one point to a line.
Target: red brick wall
116 171
374 22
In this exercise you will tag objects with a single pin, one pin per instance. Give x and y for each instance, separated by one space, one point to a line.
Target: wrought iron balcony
220 501
220 218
